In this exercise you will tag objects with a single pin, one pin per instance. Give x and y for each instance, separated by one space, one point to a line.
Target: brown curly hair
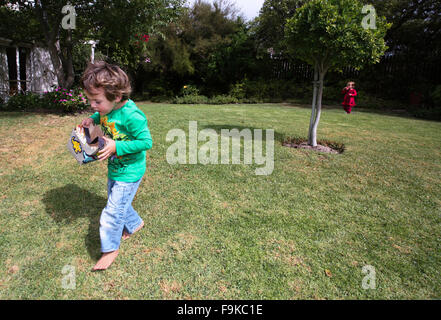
111 78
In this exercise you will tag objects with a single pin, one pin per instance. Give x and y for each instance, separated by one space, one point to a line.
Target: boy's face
99 102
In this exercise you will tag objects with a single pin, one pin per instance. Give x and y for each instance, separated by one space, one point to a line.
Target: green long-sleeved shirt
128 127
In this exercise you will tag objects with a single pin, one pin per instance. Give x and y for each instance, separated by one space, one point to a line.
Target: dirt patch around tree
324 146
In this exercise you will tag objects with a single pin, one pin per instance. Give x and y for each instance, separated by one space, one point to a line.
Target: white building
25 67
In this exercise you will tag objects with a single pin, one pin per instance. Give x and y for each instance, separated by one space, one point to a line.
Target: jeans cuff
108 250
141 221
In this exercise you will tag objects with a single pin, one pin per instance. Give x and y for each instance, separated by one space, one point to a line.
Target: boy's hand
108 150
87 122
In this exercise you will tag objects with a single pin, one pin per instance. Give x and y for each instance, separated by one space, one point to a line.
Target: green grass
220 231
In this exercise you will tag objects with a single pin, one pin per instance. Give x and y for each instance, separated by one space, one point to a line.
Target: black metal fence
392 66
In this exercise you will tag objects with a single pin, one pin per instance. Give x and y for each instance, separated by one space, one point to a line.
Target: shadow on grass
399 111
11 114
67 204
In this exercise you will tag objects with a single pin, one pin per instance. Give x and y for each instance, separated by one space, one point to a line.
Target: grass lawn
220 231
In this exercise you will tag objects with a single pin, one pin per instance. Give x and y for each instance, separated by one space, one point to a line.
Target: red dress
349 100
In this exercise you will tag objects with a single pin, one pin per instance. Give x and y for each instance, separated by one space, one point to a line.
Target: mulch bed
324 146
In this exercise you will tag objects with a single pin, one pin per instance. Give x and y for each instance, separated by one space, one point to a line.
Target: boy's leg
113 219
133 221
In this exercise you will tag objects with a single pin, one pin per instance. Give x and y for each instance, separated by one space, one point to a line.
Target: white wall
41 71
4 74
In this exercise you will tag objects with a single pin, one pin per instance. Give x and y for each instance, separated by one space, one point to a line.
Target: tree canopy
270 24
114 23
209 45
328 34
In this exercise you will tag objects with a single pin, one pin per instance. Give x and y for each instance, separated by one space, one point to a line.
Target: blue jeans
118 215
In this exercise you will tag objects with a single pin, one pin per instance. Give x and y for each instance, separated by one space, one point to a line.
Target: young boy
107 87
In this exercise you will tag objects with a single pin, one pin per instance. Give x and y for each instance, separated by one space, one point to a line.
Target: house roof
4 42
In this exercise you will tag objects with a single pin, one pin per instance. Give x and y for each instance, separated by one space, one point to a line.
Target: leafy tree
170 53
414 42
232 63
43 23
121 24
167 63
328 34
12 26
114 23
270 24
208 29
209 45
416 24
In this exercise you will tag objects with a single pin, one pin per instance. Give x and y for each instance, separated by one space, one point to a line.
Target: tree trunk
68 62
313 130
56 61
314 104
59 62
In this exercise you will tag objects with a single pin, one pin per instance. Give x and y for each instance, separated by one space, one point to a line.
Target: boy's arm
95 117
137 128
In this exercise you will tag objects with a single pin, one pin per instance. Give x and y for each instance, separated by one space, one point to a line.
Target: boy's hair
110 77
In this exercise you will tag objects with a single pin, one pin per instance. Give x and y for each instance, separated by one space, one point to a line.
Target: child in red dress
349 100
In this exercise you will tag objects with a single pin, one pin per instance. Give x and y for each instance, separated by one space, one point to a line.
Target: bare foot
127 235
105 261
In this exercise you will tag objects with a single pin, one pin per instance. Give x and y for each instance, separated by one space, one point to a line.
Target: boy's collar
125 102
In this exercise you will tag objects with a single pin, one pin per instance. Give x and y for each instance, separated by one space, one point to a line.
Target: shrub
332 94
223 99
366 100
256 89
156 88
270 91
220 99
189 90
60 100
160 99
66 101
251 100
430 110
436 96
238 91
140 96
191 99
24 102
426 113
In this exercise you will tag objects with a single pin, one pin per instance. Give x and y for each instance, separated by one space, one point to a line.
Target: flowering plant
143 37
66 100
189 90
141 45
